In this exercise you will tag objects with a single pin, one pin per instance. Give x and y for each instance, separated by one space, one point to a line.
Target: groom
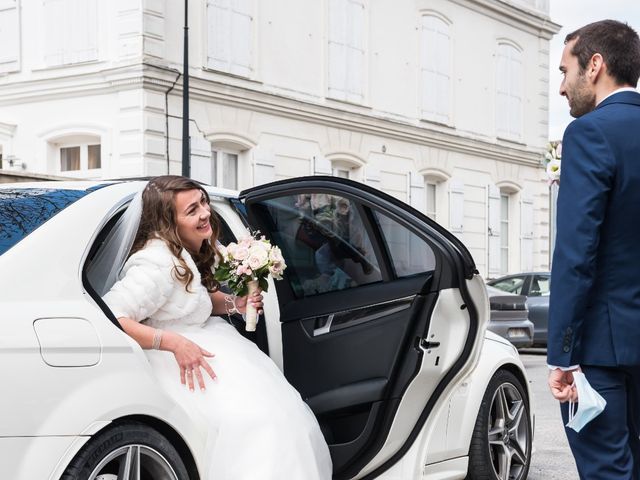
594 322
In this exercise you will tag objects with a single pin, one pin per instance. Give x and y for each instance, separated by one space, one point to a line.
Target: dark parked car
510 318
535 286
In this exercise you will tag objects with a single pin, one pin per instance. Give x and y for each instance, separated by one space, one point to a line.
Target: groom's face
575 86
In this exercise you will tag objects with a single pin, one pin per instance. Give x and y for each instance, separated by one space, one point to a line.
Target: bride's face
192 217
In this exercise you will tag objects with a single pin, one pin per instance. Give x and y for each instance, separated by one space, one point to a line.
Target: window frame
84 158
430 64
510 53
217 164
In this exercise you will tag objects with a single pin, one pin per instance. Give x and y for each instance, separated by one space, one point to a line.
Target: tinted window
409 253
511 285
540 285
22 210
324 243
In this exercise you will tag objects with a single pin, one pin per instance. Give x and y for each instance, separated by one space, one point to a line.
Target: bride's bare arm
220 304
189 355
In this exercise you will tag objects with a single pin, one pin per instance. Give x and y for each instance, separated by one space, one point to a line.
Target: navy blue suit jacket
594 311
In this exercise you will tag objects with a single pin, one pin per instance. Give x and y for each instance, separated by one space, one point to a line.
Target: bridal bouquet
245 266
553 158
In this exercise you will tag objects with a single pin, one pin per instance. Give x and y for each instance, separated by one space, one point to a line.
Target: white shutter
355 52
219 34
241 37
9 36
502 91
417 194
493 230
201 158
427 60
456 206
321 166
372 176
82 18
515 93
264 166
337 49
526 234
54 31
435 68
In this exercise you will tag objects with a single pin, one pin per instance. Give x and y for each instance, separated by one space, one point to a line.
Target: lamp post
186 153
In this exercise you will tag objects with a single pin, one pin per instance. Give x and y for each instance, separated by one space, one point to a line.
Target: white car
379 323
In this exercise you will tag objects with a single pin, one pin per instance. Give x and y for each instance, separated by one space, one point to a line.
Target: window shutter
82 23
435 69
372 176
201 159
456 207
264 166
219 34
502 92
526 234
515 93
241 37
9 37
355 52
337 49
321 166
55 32
417 194
493 230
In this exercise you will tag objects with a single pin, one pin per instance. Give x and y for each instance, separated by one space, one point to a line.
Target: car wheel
130 451
501 442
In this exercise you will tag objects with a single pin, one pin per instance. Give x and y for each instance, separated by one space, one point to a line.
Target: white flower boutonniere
552 159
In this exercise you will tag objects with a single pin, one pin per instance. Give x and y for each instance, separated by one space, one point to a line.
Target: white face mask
590 403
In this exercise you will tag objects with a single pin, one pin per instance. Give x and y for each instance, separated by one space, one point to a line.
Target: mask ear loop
572 405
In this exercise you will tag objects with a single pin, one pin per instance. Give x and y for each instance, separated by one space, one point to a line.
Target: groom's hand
561 385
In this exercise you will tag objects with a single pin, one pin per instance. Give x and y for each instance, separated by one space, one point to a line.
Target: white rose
241 253
553 170
258 258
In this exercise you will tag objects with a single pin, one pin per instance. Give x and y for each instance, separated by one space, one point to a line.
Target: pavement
552 459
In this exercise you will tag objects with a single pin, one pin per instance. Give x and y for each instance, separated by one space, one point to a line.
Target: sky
573 14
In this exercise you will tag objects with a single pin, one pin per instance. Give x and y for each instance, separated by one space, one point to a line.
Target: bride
257 425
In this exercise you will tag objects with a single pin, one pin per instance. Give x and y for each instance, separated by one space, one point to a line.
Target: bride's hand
256 299
191 358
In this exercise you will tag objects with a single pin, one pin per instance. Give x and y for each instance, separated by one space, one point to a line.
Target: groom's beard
581 98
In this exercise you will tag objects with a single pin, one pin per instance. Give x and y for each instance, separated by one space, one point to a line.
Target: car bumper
28 458
518 332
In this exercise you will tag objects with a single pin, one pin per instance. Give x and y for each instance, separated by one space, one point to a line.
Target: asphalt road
552 458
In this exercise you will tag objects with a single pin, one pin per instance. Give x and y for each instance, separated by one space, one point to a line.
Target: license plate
517 332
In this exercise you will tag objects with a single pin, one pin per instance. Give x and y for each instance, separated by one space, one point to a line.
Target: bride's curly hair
159 221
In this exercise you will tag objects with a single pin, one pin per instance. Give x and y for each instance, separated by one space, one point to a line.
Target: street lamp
186 154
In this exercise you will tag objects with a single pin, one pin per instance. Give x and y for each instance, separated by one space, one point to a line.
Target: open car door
376 318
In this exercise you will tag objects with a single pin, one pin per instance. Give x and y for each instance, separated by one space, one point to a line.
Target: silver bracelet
230 304
157 339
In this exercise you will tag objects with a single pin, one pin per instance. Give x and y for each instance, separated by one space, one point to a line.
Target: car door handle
427 345
325 327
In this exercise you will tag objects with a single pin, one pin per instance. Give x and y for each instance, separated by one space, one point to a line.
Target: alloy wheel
508 432
134 462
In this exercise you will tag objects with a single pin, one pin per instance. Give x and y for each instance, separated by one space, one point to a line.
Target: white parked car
379 323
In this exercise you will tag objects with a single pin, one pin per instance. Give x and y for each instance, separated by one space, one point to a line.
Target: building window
431 190
346 50
230 36
504 233
341 172
80 157
9 37
435 69
509 92
70 31
224 169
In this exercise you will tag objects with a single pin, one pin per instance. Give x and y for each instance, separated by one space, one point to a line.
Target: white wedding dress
257 426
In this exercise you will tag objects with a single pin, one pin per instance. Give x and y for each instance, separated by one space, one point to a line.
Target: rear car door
376 318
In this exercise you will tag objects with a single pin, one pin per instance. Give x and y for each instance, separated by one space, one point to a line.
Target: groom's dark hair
618 44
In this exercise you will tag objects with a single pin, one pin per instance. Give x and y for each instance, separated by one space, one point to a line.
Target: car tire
502 437
127 447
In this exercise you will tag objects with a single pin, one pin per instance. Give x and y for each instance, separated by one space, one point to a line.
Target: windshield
22 210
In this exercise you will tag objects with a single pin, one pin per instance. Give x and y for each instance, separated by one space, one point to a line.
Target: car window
22 210
410 254
540 285
324 242
511 284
